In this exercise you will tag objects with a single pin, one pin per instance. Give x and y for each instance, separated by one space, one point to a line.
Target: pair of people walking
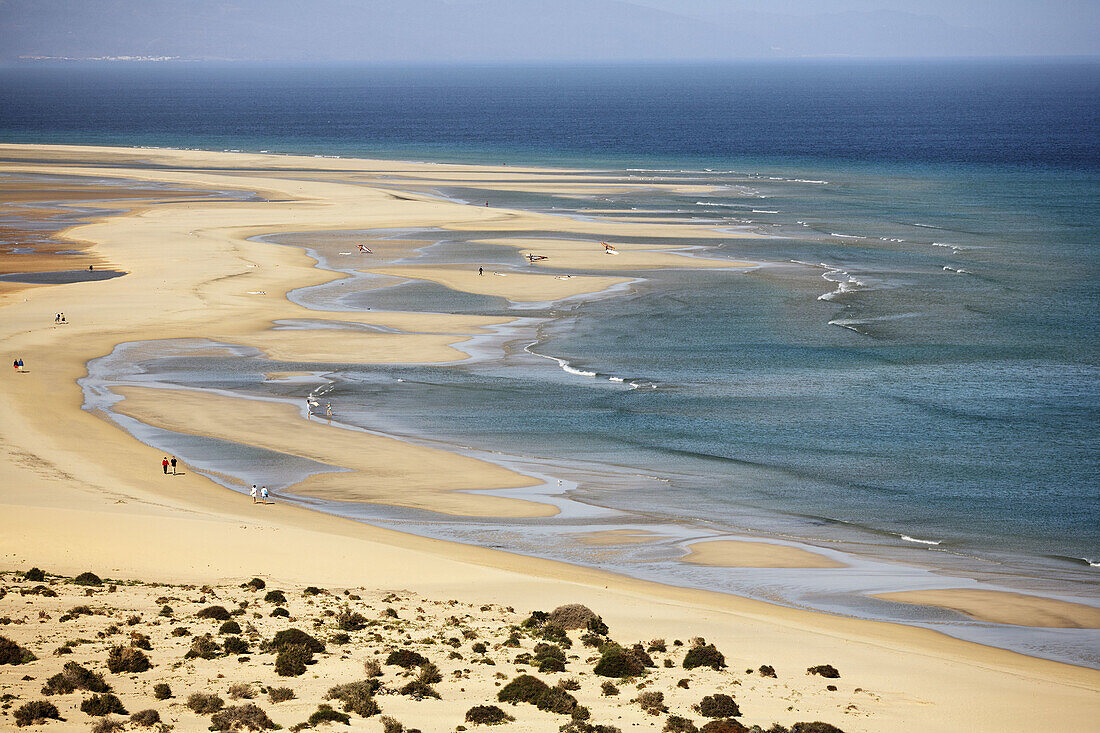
17 365
263 494
166 463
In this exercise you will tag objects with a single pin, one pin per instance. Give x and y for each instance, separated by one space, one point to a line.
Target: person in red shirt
164 465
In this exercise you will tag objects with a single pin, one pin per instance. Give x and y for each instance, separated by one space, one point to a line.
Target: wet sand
739 554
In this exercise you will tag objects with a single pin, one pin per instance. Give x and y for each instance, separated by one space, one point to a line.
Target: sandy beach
79 494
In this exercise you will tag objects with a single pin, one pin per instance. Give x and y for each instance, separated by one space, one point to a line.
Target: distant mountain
459 30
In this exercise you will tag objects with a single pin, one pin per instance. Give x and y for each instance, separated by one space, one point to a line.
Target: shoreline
29 429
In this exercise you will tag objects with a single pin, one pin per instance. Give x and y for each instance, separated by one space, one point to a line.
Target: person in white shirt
253 493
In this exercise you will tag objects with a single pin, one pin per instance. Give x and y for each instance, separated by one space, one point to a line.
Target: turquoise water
909 375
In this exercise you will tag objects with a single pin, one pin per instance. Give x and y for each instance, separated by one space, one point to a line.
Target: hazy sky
545 30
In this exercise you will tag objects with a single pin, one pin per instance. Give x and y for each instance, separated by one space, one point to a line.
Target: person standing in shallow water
173 465
164 465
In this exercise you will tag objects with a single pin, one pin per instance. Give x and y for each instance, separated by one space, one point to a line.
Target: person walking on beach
481 271
15 365
328 409
253 493
263 493
164 465
173 465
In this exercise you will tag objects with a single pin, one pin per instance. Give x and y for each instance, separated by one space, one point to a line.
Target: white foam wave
957 270
907 538
616 379
719 203
763 211
846 236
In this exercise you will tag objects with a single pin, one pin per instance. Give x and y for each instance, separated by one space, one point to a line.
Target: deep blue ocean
915 361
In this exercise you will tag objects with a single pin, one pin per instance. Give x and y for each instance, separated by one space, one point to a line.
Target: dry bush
74 677
241 690
204 703
35 575
275 596
618 662
108 725
358 697
127 659
571 616
766 670
326 714
36 712
203 647
280 694
724 726
103 704
487 715
145 718
241 717
406 658
815 727
348 620
676 724
372 668
229 627
162 691
651 702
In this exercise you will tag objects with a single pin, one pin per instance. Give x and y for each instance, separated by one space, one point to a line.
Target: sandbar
1003 607
741 554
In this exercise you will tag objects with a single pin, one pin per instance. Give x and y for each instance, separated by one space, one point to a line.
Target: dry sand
78 493
1000 607
740 554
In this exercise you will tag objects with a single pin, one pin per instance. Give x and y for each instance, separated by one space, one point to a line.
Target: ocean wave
953 247
719 203
846 236
957 270
907 538
763 211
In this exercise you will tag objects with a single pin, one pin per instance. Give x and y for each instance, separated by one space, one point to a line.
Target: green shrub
36 712
827 671
35 575
145 718
724 726
241 717
608 688
140 641
235 645
280 612
127 659
313 591
291 661
718 706
391 725
557 700
551 664
204 703
280 694
815 727
597 626
87 579
325 714
275 596
229 627
108 725
104 704
618 662
296 637
487 715
357 697
255 584
406 658
162 691
340 638
12 653
704 656
524 688
217 613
